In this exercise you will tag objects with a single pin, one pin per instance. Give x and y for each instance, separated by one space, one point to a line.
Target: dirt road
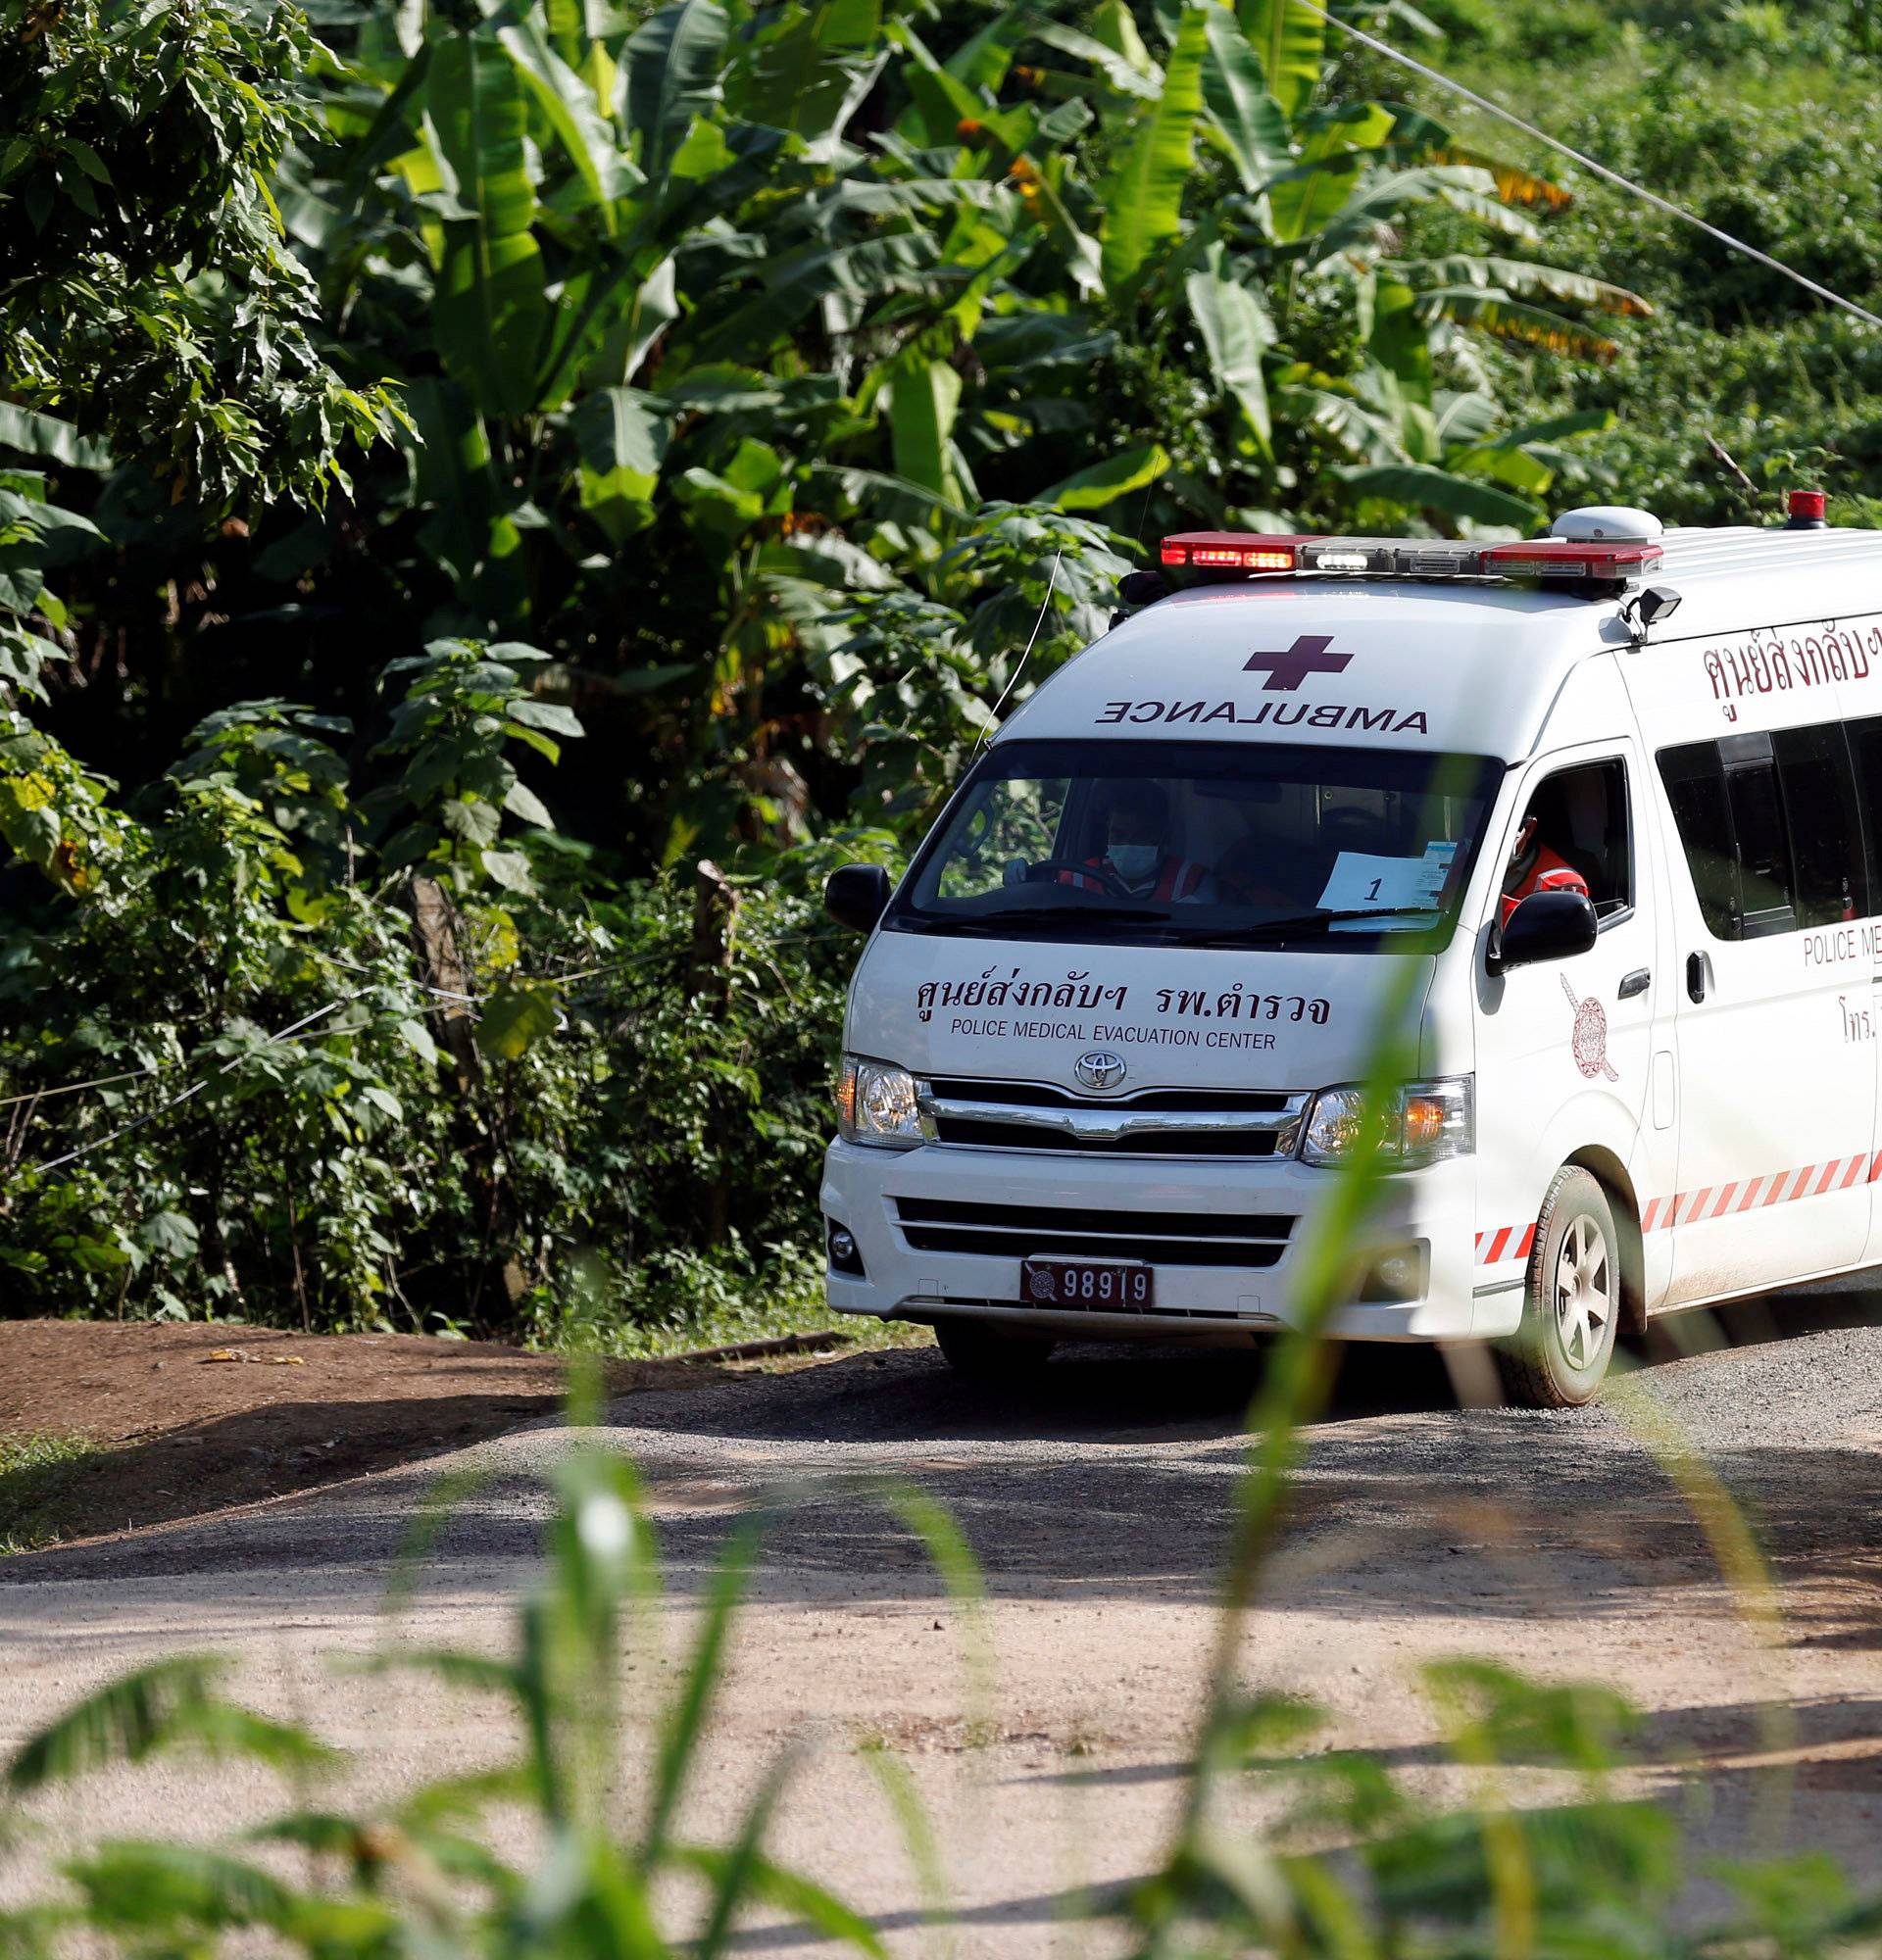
1097 1503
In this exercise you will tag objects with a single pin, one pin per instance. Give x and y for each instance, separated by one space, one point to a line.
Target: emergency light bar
1601 561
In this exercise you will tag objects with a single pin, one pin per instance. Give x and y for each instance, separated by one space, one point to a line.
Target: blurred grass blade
941 1535
919 1836
734 1877
687 1719
169 1705
790 1892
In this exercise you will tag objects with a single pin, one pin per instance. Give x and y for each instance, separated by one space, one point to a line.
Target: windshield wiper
1071 916
1313 921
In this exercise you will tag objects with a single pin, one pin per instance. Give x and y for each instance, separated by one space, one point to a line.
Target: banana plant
710 327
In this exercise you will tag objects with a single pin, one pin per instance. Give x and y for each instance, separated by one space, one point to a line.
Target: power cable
1588 162
195 1087
1045 606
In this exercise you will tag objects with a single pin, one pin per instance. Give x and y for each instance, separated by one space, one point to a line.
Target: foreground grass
37 1474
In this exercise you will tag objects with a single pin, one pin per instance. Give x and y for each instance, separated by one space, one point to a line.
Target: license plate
1104 1286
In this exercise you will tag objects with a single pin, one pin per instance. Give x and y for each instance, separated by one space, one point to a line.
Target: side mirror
857 895
1546 925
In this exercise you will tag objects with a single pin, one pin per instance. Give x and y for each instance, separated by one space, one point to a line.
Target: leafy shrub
396 1057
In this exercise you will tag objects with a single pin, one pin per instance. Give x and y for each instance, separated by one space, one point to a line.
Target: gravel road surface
1097 1500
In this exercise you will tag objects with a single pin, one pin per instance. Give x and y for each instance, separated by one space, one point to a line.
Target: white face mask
1134 862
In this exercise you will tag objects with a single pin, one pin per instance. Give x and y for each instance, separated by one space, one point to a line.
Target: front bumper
864 1187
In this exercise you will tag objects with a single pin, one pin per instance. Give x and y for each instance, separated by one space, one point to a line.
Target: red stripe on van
1648 1217
1498 1242
1830 1170
1528 1241
1854 1172
1719 1209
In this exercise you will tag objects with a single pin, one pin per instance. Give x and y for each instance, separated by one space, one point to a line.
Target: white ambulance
1610 803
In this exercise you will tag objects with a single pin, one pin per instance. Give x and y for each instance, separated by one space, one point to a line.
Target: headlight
877 1103
1421 1123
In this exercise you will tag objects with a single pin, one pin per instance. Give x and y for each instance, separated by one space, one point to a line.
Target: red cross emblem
1307 655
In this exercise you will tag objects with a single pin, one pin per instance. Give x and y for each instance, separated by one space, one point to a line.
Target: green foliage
149 297
291 1124
1353 1862
419 1872
787 390
1774 137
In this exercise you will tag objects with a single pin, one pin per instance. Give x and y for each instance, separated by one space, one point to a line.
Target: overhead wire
1590 163
195 1087
1045 606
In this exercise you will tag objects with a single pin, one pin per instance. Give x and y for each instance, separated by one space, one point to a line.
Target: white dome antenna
1608 523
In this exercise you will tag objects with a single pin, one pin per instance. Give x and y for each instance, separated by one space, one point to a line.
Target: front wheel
1571 1298
984 1353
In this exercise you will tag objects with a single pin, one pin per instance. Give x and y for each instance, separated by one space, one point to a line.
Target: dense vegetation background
463 467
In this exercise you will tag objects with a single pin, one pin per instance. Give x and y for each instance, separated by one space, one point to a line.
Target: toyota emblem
1099 1069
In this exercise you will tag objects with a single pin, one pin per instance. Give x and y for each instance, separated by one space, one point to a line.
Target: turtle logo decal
1590 1037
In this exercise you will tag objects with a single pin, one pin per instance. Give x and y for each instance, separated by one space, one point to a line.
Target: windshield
1204 843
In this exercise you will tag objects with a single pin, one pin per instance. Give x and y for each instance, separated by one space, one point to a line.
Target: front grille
1154 1122
1048 1095
997 1136
1163 1238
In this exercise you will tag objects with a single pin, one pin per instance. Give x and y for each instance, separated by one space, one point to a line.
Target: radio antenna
1045 606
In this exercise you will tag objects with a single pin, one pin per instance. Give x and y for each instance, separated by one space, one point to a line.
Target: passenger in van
1137 853
1536 867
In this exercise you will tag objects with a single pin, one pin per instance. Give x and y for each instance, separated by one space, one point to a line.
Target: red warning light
1810 504
1232 551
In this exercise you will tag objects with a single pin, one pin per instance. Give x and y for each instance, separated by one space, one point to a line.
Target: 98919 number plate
1104 1286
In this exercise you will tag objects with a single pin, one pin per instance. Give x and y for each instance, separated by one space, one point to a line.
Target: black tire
983 1351
1572 1300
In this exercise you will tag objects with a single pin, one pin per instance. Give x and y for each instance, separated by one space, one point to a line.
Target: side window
1829 879
1865 752
1696 788
1770 829
1761 844
1576 823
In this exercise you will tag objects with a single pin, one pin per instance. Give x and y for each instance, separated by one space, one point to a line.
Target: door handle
1696 976
1635 982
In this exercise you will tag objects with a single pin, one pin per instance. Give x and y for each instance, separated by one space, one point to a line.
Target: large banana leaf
925 396
490 309
1105 482
1359 428
672 76
807 69
982 60
1236 333
570 105
794 285
1496 311
1291 41
1144 204
939 102
1521 276
1332 157
1421 488
1117 69
1244 118
621 436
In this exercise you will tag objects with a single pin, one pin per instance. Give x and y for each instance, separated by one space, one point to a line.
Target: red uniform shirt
1549 873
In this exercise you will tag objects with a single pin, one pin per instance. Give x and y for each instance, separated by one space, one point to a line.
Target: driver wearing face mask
1137 857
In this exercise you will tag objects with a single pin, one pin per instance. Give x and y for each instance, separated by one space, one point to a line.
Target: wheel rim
1584 1292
